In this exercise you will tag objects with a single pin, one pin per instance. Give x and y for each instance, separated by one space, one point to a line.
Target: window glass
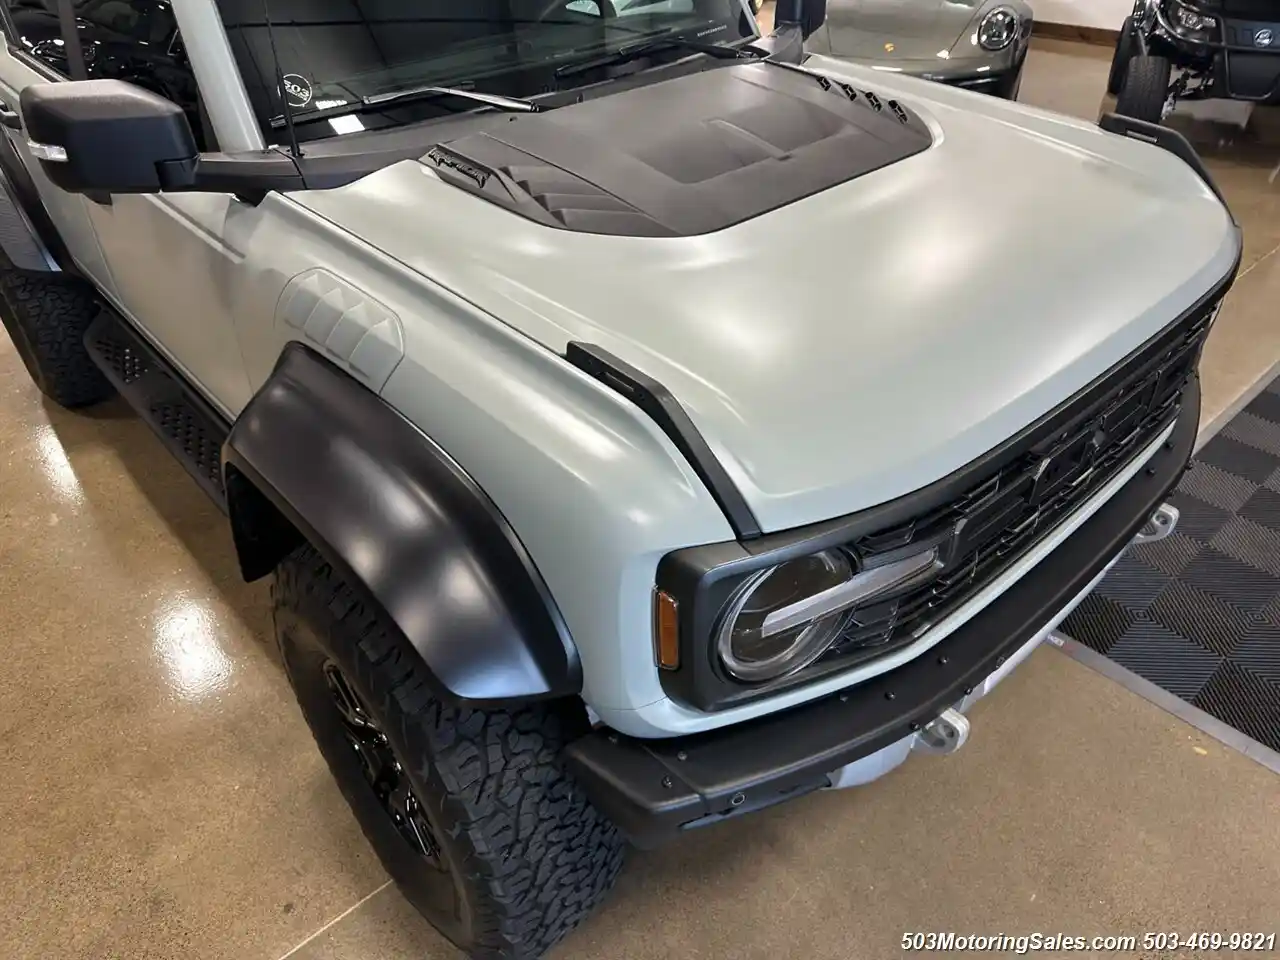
335 52
35 29
127 20
131 40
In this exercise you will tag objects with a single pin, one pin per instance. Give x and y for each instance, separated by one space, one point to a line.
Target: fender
26 200
317 455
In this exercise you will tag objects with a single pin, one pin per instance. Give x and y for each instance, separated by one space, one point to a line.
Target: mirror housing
808 15
108 136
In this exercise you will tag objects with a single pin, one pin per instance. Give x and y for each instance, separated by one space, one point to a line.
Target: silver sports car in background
979 44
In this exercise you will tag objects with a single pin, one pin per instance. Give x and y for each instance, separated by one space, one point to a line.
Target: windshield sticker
297 90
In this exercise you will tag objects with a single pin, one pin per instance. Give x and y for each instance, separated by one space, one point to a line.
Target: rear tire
46 315
515 855
1126 47
1145 89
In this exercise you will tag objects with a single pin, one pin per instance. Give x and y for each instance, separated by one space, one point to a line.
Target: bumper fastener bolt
942 661
666 782
682 755
890 695
968 690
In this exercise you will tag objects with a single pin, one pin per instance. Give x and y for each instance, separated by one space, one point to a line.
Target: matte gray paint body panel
860 343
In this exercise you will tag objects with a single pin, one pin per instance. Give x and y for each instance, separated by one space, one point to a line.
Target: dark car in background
1174 50
978 44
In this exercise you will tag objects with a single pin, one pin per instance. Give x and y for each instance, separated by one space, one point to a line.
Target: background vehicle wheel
1145 89
470 811
1126 47
46 315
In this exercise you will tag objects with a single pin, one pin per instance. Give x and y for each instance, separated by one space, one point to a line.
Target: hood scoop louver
685 156
867 97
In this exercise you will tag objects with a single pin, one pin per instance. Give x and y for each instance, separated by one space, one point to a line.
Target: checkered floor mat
1198 613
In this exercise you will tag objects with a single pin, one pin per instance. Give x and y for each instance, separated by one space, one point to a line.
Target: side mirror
809 15
813 14
108 136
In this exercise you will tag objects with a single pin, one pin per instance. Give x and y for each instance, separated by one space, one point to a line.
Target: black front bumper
999 79
1003 84
654 789
1240 66
1243 70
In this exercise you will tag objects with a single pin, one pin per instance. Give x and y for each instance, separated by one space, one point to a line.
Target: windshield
335 52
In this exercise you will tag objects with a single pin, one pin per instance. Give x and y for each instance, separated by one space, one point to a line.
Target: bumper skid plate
655 789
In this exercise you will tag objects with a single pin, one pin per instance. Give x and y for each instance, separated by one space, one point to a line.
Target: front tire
473 813
1126 47
46 315
1145 89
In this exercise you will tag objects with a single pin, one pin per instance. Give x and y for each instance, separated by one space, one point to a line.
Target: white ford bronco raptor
643 423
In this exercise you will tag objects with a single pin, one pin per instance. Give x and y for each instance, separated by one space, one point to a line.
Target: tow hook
946 734
1159 525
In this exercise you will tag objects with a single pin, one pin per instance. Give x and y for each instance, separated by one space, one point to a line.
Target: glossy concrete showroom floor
160 796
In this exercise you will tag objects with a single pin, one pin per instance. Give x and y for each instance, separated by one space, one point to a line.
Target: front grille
982 532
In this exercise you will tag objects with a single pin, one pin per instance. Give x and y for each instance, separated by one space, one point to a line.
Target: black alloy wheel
383 771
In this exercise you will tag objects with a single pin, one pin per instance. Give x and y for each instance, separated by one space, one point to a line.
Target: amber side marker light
666 630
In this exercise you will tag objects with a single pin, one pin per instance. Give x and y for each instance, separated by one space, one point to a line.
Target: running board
190 429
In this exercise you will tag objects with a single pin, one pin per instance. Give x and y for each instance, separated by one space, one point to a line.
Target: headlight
753 650
998 29
783 618
1187 21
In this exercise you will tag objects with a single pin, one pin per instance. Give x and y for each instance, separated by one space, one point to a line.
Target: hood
890 30
859 343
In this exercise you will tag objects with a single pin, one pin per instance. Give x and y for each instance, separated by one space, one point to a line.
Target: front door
172 260
32 52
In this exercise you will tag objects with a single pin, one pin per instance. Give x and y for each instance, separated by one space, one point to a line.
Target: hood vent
539 191
868 98
681 157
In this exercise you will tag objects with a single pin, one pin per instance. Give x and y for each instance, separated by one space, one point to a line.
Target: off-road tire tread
1121 58
541 857
47 315
1145 89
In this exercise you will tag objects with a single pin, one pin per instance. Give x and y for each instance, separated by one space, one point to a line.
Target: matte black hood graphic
685 156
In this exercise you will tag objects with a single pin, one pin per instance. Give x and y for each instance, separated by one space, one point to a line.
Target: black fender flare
316 455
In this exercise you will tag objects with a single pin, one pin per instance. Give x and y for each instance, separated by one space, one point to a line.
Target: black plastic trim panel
1166 139
738 141
664 409
398 517
187 425
23 193
654 789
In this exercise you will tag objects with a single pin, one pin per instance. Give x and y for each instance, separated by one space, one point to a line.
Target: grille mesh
1096 439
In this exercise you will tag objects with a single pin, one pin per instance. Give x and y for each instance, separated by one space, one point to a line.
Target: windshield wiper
376 100
643 48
